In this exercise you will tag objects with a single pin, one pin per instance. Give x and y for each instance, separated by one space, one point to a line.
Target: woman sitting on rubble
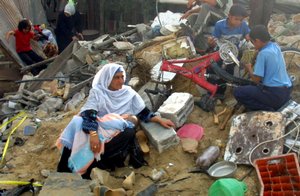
108 95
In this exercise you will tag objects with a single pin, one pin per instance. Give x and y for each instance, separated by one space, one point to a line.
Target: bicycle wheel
228 77
292 60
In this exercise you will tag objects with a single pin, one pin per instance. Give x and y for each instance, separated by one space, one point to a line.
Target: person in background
260 12
68 27
207 13
23 35
108 95
274 86
46 40
233 28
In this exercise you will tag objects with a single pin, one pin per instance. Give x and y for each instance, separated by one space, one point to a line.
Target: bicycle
199 76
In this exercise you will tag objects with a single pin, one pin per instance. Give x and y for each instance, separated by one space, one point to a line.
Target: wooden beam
57 65
111 40
29 67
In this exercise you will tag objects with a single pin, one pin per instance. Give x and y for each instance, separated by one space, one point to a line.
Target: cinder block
177 108
161 138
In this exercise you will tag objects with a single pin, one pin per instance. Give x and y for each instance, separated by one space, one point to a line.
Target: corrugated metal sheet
11 12
33 10
9 17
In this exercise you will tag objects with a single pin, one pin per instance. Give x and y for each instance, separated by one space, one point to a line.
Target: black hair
238 10
24 24
260 32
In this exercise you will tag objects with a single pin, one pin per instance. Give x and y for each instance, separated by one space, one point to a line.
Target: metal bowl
222 169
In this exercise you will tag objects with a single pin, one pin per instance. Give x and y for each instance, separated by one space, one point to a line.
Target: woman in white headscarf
108 95
68 26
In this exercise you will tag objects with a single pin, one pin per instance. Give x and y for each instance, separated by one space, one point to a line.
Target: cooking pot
222 169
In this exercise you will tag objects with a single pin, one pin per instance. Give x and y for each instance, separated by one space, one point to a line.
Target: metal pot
222 169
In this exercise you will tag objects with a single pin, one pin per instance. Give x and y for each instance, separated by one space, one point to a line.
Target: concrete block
160 137
101 176
65 184
177 108
134 82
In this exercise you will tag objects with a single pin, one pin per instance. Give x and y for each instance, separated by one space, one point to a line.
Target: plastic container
278 175
227 187
208 157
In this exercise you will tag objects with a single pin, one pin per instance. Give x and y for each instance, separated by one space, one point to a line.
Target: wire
250 155
295 138
156 6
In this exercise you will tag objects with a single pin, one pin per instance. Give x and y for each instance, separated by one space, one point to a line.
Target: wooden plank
29 67
9 74
57 65
111 40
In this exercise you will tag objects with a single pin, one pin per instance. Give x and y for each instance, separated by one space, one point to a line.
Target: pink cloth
191 130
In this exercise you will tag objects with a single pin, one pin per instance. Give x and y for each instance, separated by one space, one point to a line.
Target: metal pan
222 169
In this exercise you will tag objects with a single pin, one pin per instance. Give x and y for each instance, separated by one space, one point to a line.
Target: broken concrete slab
177 108
66 184
161 138
51 104
248 132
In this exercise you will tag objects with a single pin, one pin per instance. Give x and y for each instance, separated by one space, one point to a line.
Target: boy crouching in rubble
274 86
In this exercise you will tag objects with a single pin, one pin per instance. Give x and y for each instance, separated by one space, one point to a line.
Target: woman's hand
80 36
163 122
94 142
75 38
167 123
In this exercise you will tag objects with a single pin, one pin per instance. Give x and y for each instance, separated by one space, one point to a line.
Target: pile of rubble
64 85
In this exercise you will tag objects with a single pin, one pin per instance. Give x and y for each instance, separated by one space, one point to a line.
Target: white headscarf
70 9
105 101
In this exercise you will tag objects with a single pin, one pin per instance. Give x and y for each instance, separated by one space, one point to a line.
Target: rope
22 113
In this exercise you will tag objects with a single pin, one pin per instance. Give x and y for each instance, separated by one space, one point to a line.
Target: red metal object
196 74
279 175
